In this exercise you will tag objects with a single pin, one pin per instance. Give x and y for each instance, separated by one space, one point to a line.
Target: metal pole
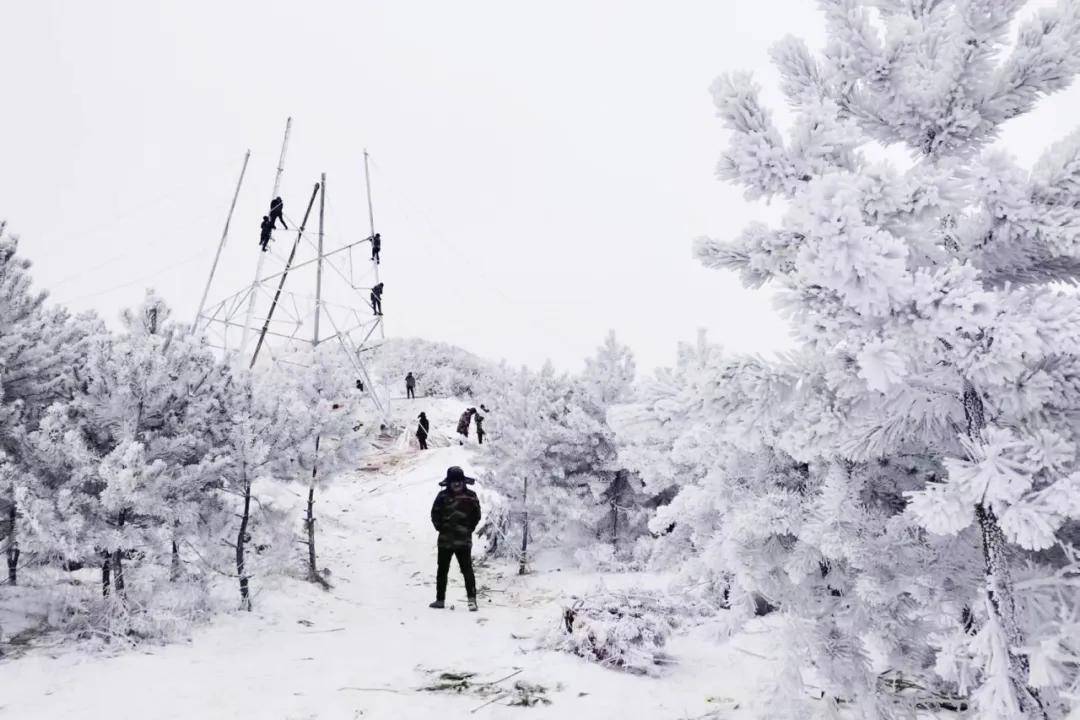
262 255
221 245
371 226
367 184
318 267
285 275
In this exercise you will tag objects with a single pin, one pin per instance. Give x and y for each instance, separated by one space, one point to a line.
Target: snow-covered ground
365 648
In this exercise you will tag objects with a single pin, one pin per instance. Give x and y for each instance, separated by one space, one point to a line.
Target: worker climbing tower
309 289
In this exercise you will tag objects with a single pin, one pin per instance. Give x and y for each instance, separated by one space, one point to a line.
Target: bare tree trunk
524 528
174 568
998 573
12 546
615 525
105 577
309 525
118 559
616 496
241 543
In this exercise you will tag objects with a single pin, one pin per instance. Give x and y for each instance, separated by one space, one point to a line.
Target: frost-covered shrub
493 534
440 369
551 454
620 632
625 631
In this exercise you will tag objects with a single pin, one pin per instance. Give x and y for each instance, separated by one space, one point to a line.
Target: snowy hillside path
363 649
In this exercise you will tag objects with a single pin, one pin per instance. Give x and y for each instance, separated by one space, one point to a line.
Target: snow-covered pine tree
515 453
264 422
127 466
545 455
39 351
938 343
330 446
552 456
619 517
671 437
609 374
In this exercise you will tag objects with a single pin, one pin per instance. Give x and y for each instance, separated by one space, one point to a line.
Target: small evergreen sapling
328 445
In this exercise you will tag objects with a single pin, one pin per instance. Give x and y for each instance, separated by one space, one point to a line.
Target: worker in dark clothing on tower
455 514
264 232
376 299
376 247
277 207
422 429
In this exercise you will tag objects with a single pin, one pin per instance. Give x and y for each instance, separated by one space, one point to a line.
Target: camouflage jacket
455 516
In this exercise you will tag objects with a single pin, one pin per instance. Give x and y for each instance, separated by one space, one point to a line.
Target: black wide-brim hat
456 474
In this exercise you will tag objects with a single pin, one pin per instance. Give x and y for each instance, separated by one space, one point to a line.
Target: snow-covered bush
440 369
905 484
625 631
551 454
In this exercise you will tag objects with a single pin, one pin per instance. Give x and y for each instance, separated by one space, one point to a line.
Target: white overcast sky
540 168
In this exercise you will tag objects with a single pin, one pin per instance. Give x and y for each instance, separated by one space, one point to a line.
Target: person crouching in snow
455 514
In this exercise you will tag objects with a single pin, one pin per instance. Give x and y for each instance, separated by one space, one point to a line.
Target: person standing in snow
463 423
376 298
479 426
455 514
410 386
422 431
264 232
376 247
277 207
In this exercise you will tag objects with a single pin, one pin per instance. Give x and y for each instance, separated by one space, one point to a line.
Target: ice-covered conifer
39 353
931 411
263 425
331 430
129 461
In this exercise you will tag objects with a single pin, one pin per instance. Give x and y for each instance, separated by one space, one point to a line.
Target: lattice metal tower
309 289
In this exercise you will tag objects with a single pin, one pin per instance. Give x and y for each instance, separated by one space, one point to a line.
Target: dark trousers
274 217
464 559
410 392
423 441
376 304
480 436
